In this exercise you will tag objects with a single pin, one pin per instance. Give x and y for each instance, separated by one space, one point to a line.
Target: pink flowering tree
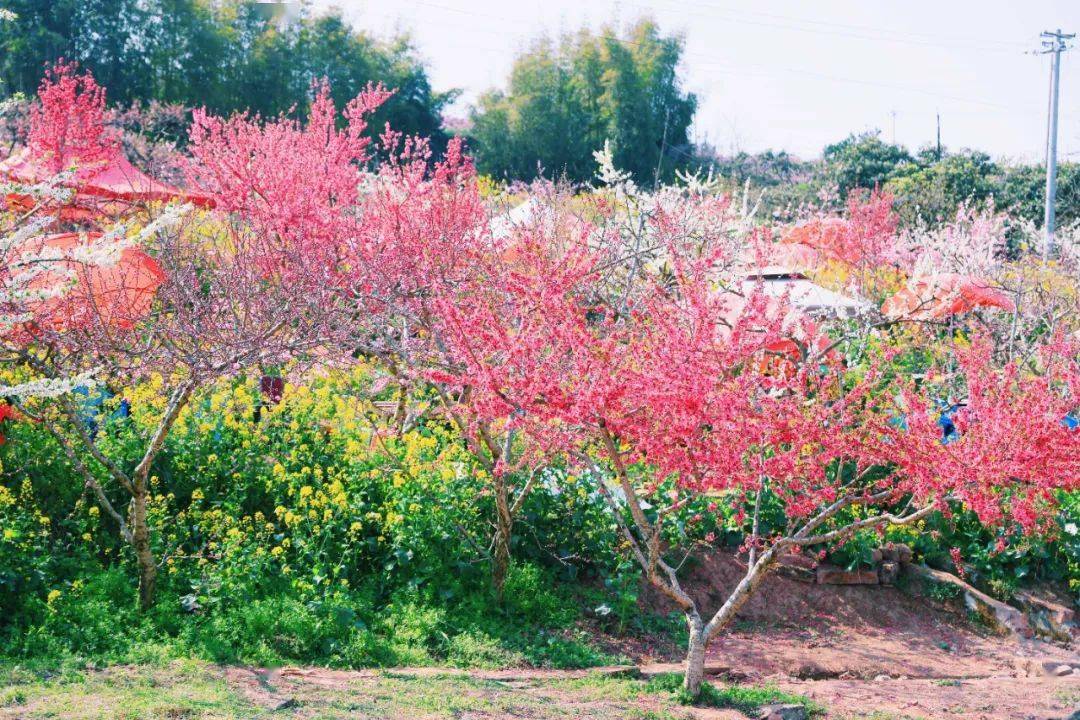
69 125
476 292
379 246
212 295
215 313
425 244
691 388
299 182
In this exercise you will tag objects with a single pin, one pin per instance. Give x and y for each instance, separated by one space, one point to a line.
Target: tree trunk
695 655
504 526
143 553
500 562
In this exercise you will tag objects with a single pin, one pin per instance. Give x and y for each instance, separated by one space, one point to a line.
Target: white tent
805 295
502 224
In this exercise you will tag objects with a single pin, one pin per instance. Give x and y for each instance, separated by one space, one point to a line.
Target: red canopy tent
101 188
113 294
937 296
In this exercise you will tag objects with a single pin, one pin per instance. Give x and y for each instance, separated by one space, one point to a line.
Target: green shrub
478 649
529 593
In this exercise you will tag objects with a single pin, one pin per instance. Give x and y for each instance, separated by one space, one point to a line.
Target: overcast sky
790 74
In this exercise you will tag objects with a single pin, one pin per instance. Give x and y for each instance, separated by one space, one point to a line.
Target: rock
896 552
647 672
888 572
1040 624
284 704
798 560
828 575
783 712
796 566
1046 668
882 678
1005 619
1048 618
798 574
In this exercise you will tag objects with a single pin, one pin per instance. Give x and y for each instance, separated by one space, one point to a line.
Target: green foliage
933 191
564 100
928 187
857 551
299 532
999 564
863 161
942 592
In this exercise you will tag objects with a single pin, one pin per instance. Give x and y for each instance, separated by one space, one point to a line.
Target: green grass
748 699
183 690
195 690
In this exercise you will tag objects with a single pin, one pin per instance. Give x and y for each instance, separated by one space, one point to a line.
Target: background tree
564 100
862 161
932 189
228 56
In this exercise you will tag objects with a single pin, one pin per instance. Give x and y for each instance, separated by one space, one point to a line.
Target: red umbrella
942 295
827 235
116 294
107 187
794 256
784 354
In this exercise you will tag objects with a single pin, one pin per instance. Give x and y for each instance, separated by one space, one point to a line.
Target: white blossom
48 387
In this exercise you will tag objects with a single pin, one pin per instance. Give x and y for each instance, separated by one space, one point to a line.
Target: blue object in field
90 407
949 433
1071 421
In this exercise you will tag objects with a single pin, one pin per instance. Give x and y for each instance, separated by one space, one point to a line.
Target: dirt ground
861 649
996 698
979 699
188 690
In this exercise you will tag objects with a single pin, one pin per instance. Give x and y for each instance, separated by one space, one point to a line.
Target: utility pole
1054 44
663 149
892 114
939 137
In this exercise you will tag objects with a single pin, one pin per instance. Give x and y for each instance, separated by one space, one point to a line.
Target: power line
943 40
715 61
858 32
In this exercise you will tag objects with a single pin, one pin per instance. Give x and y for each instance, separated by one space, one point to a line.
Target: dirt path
1002 697
982 699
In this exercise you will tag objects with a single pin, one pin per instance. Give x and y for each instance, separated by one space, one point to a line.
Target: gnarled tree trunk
504 527
140 540
695 654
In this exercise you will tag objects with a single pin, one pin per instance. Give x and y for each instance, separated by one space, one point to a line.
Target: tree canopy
565 98
227 55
